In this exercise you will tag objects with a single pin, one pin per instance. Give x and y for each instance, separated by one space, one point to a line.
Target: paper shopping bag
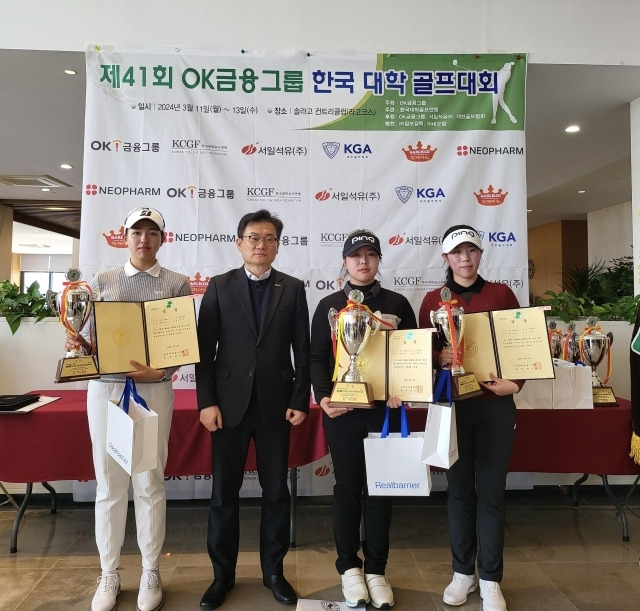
440 447
132 432
393 462
582 387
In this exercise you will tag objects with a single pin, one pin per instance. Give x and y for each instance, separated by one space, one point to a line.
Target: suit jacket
234 356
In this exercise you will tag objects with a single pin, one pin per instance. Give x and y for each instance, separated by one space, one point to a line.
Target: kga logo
331 149
323 196
404 193
501 237
250 149
430 193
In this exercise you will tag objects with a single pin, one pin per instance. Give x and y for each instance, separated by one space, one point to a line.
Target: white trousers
149 497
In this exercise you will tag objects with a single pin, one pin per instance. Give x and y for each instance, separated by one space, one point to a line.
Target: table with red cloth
588 441
52 443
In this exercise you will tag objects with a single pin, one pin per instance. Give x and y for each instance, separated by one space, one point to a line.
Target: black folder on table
11 403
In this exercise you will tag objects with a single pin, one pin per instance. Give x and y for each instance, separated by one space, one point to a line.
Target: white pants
149 495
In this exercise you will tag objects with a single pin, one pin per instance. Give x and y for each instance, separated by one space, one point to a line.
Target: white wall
551 31
610 233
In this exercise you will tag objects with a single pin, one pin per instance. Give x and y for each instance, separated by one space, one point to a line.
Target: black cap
362 237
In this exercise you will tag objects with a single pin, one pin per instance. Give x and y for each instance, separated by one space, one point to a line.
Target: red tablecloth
593 441
52 442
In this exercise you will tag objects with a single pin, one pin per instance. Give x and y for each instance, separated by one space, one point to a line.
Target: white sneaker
354 588
461 586
379 590
105 598
150 594
492 599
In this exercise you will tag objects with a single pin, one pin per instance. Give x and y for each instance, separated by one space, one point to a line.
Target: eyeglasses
254 240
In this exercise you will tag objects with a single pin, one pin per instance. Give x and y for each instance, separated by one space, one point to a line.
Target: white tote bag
132 432
440 447
393 462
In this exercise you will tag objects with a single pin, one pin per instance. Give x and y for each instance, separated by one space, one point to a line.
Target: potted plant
15 305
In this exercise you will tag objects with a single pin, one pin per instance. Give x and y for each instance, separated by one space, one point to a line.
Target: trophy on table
571 344
352 329
594 346
555 339
449 323
73 306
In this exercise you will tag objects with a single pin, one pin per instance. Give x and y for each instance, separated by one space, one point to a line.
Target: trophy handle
375 327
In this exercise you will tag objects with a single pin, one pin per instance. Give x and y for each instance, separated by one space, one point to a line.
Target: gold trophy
449 323
352 328
73 307
594 345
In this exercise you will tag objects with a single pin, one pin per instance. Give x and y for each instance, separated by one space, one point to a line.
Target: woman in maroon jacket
476 482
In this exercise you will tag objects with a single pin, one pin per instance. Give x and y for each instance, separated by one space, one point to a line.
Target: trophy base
603 397
352 394
76 368
464 386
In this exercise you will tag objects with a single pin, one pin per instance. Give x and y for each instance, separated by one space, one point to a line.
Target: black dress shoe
216 593
281 589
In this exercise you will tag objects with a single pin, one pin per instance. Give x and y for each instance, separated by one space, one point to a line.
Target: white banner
405 145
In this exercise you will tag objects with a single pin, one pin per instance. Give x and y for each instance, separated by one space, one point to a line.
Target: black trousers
229 454
351 502
475 498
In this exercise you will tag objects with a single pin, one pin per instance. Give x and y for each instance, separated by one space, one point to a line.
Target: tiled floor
557 558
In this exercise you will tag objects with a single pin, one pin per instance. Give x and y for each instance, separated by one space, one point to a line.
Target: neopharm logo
93 189
463 150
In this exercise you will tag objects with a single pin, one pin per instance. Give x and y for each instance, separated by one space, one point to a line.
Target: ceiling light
582 191
69 71
56 208
45 189
66 166
572 129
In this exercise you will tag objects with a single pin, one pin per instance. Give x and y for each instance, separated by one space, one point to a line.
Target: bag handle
128 392
404 422
444 377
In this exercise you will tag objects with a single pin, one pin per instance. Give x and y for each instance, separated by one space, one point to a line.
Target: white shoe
455 594
105 598
150 594
492 599
354 588
380 591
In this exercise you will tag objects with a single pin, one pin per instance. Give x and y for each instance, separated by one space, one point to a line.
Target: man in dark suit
252 320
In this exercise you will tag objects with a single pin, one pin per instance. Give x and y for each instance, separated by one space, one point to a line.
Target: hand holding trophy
73 307
352 329
449 323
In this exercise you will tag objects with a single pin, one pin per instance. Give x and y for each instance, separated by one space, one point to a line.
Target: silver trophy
449 323
446 326
555 339
73 307
354 329
593 348
571 344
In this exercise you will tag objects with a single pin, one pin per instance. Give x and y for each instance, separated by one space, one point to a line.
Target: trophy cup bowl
571 344
555 340
355 331
441 322
73 307
594 349
352 326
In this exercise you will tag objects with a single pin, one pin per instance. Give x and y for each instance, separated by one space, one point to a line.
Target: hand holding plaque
352 329
449 323
73 307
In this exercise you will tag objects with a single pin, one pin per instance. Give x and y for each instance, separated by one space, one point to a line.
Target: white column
635 190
